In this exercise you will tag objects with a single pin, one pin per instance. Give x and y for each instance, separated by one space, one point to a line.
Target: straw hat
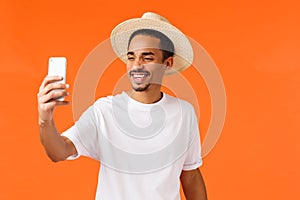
183 56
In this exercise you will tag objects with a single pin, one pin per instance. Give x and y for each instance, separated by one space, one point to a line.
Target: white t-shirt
142 148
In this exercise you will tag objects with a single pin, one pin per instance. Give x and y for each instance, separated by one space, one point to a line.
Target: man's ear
169 62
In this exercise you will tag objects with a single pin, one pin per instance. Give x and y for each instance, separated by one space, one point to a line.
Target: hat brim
183 56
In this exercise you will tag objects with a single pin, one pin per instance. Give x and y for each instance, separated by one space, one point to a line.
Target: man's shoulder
108 100
182 102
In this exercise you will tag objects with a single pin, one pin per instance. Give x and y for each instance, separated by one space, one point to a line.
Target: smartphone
57 66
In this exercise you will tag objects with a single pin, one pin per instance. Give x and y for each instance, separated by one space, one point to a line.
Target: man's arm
193 185
58 148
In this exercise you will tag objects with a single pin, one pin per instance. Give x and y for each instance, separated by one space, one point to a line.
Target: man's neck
149 96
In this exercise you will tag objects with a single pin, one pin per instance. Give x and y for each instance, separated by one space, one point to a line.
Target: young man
147 141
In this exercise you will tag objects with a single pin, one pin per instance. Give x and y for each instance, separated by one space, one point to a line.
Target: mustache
139 71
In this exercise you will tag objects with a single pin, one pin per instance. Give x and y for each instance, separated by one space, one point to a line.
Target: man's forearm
195 192
193 186
53 143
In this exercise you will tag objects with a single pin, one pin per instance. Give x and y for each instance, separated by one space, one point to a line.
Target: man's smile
139 76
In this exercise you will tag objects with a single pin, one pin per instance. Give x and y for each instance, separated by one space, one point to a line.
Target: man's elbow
56 158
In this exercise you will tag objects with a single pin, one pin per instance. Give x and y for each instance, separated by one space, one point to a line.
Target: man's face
145 65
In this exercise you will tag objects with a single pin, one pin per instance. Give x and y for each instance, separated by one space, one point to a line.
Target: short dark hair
166 45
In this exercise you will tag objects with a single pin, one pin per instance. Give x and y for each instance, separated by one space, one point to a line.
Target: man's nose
138 64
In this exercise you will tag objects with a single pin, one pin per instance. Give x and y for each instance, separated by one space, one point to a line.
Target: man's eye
148 59
130 58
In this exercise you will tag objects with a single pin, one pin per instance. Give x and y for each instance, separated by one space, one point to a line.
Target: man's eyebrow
147 53
131 53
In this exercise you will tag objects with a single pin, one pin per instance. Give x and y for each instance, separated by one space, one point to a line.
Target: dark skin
193 185
141 58
149 59
58 148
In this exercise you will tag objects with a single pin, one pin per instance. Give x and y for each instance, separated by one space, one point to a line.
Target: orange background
255 46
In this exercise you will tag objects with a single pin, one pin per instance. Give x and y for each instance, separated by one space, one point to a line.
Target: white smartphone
57 66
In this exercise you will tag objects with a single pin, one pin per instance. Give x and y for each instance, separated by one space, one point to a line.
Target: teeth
139 75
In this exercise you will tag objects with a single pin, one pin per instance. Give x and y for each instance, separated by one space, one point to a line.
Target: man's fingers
54 94
54 86
61 103
49 79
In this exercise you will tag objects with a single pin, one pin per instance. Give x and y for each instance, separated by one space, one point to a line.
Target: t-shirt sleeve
193 158
84 135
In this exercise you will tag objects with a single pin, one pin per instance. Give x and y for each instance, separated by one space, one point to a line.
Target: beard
141 89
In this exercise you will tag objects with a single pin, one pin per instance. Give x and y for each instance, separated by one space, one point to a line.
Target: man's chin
141 88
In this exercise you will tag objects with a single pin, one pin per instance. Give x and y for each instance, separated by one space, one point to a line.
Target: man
147 141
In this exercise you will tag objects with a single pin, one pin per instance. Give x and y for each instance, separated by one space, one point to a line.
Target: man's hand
47 93
193 185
